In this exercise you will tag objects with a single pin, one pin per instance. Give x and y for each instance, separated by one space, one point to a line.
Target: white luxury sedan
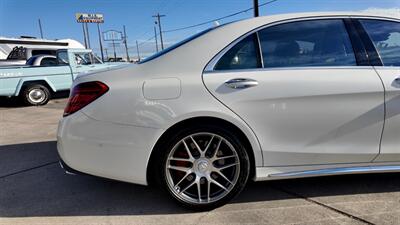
274 97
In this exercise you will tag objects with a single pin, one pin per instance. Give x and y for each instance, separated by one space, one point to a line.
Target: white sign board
112 35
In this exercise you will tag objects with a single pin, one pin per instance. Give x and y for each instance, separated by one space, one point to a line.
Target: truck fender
31 80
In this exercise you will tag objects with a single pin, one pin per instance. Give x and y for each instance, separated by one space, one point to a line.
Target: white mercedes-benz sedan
274 97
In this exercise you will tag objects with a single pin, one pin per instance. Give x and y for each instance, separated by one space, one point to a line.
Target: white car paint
314 118
308 114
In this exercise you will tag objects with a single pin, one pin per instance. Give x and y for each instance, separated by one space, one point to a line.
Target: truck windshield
172 47
86 59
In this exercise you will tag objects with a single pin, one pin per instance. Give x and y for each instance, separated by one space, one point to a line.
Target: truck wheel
36 94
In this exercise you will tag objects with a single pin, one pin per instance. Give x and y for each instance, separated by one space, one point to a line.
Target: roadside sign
89 18
112 35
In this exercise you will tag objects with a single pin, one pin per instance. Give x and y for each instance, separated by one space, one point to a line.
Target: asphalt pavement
35 190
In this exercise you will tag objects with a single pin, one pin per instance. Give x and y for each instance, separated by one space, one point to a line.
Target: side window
18 53
48 62
306 44
386 37
62 58
243 55
43 52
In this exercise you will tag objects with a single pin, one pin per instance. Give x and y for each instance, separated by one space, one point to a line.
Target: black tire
41 98
242 157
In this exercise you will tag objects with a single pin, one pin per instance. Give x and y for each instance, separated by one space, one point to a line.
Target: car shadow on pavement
33 184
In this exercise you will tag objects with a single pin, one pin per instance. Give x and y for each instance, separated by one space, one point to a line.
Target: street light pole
137 49
87 35
100 42
115 54
84 35
106 53
126 46
158 16
40 28
256 9
155 37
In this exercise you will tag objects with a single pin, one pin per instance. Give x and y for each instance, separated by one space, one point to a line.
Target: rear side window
243 55
307 44
48 62
43 52
386 37
18 53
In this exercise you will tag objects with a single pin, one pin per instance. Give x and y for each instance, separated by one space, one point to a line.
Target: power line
220 18
207 22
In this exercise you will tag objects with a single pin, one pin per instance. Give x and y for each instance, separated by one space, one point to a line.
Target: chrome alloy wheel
202 168
36 95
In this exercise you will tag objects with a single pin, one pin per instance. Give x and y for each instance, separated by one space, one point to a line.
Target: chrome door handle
241 83
397 80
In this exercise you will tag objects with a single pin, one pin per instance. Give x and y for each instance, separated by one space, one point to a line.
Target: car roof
327 14
303 15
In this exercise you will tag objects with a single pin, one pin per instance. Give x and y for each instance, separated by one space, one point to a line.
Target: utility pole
40 28
106 53
115 53
158 16
256 10
87 35
155 37
137 49
126 46
100 42
84 35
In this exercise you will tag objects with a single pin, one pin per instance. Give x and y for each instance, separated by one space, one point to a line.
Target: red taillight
83 94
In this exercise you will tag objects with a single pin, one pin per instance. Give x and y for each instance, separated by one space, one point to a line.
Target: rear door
307 97
385 37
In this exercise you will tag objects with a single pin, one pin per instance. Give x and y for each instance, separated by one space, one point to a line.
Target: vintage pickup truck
36 84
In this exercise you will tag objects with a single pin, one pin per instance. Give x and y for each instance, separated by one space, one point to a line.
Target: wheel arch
156 151
24 83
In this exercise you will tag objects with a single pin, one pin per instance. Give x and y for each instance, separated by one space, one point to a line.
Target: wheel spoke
183 178
208 190
197 146
214 156
187 187
223 176
199 188
208 145
224 157
179 168
227 166
218 184
181 159
188 150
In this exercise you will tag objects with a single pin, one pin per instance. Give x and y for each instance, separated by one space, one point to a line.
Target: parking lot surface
35 190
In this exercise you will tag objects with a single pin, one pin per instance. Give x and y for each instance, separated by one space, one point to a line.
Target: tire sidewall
230 137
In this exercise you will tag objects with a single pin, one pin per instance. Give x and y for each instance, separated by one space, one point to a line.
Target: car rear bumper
105 149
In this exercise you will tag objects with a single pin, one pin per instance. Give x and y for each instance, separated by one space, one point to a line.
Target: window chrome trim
211 64
289 68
